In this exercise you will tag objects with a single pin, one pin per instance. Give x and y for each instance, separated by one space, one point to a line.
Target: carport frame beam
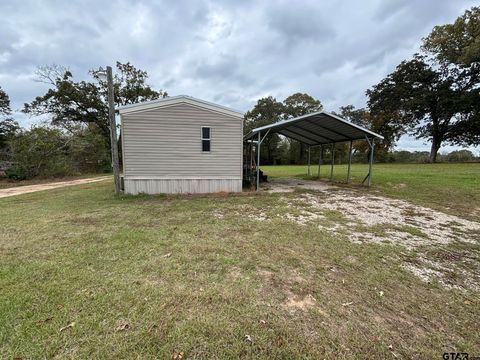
333 161
320 160
309 172
349 160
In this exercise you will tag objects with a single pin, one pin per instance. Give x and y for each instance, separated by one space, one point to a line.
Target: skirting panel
175 186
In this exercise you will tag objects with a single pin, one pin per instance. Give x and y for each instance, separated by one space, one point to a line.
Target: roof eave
173 100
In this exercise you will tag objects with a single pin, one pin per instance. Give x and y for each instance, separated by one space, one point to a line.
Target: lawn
86 274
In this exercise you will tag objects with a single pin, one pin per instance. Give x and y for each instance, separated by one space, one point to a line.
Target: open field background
86 274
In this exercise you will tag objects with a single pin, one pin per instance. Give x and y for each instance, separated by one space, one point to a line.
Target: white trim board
174 100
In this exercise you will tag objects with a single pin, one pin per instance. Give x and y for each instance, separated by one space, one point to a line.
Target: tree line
434 96
76 137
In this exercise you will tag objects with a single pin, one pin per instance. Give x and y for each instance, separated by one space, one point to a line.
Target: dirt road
53 185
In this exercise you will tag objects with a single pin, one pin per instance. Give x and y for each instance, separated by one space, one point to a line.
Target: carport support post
349 160
370 163
250 168
252 159
309 173
258 161
333 161
320 160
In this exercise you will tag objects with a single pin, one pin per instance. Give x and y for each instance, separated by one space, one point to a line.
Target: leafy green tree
70 102
46 152
300 104
427 102
402 156
88 151
266 111
457 43
436 96
130 85
4 103
283 152
456 47
8 127
40 152
296 105
381 123
460 156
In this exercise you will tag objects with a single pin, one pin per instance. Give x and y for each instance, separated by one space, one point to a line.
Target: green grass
196 274
452 188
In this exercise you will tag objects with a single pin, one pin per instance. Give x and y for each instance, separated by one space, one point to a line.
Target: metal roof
316 128
173 100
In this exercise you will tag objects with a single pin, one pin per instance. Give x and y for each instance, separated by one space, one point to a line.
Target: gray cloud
297 24
231 52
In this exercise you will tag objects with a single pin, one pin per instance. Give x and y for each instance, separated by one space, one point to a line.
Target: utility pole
113 131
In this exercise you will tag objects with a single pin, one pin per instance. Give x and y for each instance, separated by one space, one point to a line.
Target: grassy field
453 188
86 274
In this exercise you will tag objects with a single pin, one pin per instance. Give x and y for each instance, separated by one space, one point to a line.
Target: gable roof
175 100
316 128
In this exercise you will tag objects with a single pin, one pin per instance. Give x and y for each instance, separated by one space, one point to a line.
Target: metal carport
315 129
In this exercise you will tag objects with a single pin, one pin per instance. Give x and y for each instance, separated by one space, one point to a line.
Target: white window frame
209 138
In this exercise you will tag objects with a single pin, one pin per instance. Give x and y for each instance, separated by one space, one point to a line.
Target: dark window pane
205 133
205 145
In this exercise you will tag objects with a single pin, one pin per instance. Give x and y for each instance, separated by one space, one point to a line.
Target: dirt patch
448 275
304 218
296 278
235 273
300 303
290 185
265 275
396 185
366 218
403 223
286 288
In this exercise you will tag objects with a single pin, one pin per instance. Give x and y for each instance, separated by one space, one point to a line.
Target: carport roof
317 128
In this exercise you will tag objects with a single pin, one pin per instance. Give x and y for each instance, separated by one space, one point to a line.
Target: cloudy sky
229 52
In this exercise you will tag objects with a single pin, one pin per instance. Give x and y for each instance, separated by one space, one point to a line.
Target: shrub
49 152
16 173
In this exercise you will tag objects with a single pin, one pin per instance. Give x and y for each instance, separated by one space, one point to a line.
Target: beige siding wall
165 144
